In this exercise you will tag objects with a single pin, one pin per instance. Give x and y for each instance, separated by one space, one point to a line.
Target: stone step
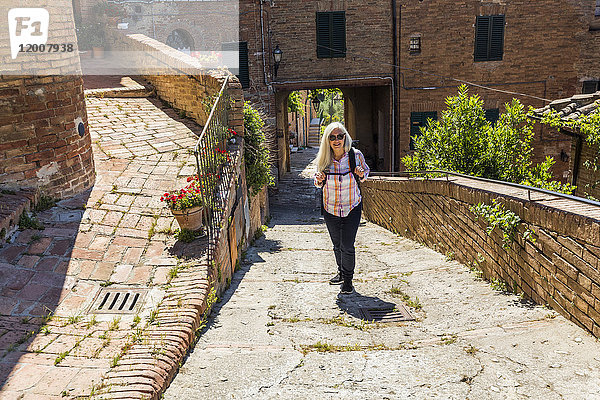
12 205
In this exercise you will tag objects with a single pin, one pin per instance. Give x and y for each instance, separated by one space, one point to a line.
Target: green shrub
464 141
589 126
256 153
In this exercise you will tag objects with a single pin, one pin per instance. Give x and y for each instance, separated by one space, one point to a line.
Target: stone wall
242 220
205 24
560 268
180 79
532 63
44 137
187 87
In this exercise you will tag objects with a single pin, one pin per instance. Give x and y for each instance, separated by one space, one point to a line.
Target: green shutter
496 38
492 115
418 120
323 35
243 73
338 34
590 87
489 38
482 33
331 34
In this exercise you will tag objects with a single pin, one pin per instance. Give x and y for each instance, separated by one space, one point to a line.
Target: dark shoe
347 287
336 280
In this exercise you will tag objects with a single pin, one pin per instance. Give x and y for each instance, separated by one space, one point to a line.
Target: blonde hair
325 152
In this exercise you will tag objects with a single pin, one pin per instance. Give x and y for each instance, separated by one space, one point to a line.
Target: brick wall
543 42
588 180
41 109
208 24
561 268
180 79
292 26
51 61
41 145
589 35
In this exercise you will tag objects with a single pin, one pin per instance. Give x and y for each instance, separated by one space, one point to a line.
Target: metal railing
529 189
214 166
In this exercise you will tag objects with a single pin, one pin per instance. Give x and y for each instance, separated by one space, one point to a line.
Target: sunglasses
341 136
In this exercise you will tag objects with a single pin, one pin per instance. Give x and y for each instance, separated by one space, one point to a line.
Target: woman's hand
360 171
320 176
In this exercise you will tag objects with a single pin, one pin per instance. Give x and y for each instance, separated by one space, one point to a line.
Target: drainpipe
395 94
577 156
262 38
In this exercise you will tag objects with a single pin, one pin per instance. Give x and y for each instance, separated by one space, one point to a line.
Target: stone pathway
117 235
282 332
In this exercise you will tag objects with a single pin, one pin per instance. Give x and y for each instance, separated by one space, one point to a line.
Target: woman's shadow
357 305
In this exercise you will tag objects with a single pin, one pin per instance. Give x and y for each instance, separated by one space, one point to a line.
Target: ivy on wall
589 126
505 220
256 153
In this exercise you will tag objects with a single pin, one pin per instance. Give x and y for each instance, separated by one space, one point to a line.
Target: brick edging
560 268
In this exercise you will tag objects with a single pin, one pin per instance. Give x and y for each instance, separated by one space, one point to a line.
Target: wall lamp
277 53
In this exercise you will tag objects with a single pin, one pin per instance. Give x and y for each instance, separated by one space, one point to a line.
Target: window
243 72
492 115
418 120
331 34
181 40
590 87
489 38
415 44
597 10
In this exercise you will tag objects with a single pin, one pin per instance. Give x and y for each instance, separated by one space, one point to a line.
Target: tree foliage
589 126
331 106
295 102
464 141
256 153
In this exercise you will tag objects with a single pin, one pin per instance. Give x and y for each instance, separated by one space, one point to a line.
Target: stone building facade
548 50
364 71
398 60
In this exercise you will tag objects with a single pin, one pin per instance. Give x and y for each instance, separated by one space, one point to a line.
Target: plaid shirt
341 193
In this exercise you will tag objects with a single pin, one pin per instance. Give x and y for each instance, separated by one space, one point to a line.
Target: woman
342 202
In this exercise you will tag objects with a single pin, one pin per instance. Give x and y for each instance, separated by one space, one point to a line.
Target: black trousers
342 231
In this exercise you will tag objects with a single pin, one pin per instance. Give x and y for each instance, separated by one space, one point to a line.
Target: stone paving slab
282 332
117 235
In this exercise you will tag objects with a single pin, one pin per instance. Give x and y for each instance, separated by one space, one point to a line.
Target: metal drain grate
118 301
396 314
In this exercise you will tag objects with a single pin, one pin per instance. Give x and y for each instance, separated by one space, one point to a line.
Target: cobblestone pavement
282 332
116 236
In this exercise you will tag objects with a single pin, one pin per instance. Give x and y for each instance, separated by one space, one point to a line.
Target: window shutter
590 87
418 120
323 35
496 38
243 71
489 38
492 115
482 31
338 34
331 34
244 75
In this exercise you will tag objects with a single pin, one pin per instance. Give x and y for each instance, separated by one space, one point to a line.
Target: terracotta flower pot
98 52
190 218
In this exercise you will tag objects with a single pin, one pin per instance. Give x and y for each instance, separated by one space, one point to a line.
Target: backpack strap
320 190
352 162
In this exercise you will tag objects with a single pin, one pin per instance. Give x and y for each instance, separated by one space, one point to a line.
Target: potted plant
91 40
187 205
97 39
